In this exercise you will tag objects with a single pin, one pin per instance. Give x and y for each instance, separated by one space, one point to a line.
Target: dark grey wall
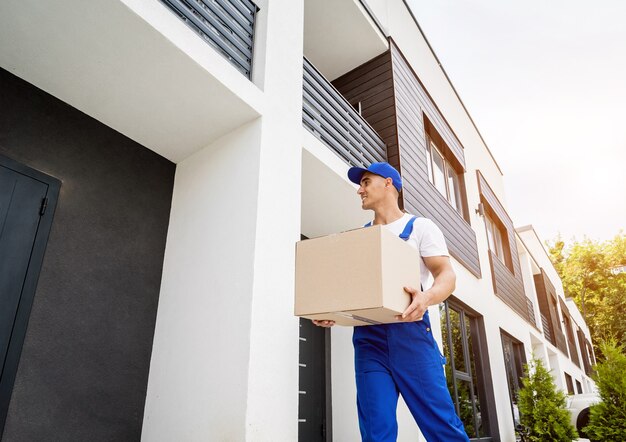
414 107
84 365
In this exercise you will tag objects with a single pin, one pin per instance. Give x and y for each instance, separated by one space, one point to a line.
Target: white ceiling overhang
340 35
132 65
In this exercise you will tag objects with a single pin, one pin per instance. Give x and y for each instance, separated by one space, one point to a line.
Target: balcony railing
228 25
332 119
531 312
547 332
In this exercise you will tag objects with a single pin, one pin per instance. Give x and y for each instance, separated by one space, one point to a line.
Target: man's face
372 190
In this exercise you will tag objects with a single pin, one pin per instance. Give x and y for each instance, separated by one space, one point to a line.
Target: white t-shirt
426 237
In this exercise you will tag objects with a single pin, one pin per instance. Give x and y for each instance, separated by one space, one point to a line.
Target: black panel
84 365
314 383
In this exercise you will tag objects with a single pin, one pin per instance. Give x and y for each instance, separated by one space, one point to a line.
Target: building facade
170 153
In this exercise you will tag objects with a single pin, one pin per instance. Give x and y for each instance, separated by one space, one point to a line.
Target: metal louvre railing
329 116
546 329
228 25
531 312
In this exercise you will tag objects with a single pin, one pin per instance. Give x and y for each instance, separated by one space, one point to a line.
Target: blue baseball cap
384 170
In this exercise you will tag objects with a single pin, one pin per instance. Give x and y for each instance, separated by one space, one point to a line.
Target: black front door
27 200
314 414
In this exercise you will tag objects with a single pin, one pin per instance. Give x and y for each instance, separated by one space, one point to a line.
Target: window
571 342
514 361
570 384
464 372
579 387
443 176
592 356
494 237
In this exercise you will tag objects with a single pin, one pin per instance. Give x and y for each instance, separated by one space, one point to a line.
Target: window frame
494 224
495 240
519 359
569 383
476 366
459 200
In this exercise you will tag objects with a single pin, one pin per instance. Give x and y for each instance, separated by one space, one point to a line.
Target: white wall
199 369
225 355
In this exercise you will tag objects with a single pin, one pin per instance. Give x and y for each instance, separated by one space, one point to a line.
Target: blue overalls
402 358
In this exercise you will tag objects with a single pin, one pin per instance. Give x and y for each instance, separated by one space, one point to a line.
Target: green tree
591 276
607 421
542 406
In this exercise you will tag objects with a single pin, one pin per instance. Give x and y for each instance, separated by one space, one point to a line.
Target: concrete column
272 399
225 355
197 386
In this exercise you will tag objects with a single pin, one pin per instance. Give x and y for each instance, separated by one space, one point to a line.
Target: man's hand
324 323
419 304
443 285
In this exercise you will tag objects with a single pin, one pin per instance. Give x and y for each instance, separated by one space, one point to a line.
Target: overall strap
406 233
408 229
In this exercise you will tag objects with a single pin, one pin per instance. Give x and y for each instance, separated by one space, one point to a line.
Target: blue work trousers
402 358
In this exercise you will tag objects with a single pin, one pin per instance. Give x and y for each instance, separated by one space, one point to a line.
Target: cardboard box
355 277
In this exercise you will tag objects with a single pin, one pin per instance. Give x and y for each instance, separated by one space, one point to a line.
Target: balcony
132 65
332 119
547 331
227 25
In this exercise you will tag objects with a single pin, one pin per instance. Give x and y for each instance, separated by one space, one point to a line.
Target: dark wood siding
583 352
507 280
544 306
414 101
419 195
393 101
370 88
569 334
546 293
507 288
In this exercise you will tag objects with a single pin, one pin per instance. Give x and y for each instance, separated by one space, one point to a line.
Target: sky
545 82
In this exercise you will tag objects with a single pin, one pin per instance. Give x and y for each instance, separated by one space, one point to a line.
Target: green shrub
607 421
542 406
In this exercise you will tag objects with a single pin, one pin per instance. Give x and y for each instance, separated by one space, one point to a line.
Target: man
403 357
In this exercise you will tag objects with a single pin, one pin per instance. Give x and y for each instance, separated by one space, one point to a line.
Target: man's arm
443 286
